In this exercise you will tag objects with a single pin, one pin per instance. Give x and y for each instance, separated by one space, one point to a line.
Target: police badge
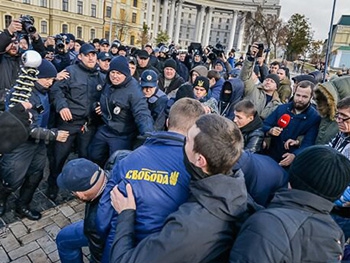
99 87
116 110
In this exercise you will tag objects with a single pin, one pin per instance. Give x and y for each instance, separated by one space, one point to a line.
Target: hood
329 92
201 70
285 81
237 88
318 76
296 198
224 196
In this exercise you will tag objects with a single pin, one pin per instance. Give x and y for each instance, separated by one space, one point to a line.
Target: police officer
74 100
157 100
124 112
24 166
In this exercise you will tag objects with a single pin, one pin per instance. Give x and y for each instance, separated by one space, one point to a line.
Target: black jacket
124 108
175 83
202 230
253 135
79 92
296 227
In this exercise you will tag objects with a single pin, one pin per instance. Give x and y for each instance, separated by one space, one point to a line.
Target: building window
225 34
153 8
93 10
108 11
43 27
189 16
228 21
79 32
219 26
26 1
92 33
43 3
212 19
134 3
226 27
134 17
107 34
65 5
64 28
8 20
220 20
80 7
225 40
132 40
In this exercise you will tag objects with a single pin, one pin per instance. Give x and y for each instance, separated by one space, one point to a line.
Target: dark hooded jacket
296 227
175 83
227 102
253 135
201 230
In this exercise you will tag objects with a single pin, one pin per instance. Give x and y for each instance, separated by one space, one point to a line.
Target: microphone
283 121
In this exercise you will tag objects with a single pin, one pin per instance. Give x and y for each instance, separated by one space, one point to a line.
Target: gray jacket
255 93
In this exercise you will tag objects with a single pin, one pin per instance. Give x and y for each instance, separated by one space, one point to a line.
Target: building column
171 19
156 17
207 28
233 30
199 23
178 21
241 33
149 13
165 15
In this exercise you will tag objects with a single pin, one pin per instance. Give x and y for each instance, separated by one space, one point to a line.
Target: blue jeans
70 241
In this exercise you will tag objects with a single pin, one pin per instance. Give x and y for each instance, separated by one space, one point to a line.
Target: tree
267 28
299 36
144 36
162 37
315 50
122 25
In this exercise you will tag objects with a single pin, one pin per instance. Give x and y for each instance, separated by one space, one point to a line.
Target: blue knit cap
120 63
46 70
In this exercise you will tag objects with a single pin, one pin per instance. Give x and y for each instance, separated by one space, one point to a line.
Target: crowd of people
182 156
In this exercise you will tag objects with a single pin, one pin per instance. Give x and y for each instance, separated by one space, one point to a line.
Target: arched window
64 28
79 32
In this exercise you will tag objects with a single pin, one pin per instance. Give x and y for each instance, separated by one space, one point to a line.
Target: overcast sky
319 13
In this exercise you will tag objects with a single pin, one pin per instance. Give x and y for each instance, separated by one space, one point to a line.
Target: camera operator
62 58
10 59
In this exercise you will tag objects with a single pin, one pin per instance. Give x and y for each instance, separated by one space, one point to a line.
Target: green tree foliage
315 50
162 37
266 28
299 36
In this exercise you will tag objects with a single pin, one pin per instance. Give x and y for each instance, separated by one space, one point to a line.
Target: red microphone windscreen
283 121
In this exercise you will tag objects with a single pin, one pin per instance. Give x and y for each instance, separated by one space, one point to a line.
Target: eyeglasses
342 119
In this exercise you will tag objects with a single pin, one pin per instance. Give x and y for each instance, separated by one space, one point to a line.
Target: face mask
195 172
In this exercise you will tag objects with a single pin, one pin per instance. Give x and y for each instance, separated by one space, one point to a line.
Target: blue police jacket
160 184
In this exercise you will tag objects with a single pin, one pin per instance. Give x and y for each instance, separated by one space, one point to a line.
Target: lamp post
329 41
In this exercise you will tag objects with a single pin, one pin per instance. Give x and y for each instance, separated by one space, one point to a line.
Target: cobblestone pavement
25 241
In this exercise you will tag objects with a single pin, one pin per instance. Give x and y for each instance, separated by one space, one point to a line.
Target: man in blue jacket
203 228
304 121
157 174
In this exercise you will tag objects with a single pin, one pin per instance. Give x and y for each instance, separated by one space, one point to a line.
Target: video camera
60 41
195 48
217 51
27 22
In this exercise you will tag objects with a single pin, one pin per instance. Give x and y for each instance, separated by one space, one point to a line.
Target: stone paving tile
54 256
3 256
18 229
47 244
24 259
9 243
32 236
67 210
60 220
52 230
23 250
76 217
39 256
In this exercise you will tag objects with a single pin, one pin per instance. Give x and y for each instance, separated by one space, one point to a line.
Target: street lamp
330 33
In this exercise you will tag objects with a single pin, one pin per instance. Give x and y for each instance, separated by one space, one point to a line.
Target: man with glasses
304 121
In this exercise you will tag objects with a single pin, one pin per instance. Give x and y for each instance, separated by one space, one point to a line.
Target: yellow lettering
165 179
153 177
173 178
159 178
134 174
128 174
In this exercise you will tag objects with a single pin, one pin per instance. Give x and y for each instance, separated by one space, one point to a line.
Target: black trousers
24 168
63 149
